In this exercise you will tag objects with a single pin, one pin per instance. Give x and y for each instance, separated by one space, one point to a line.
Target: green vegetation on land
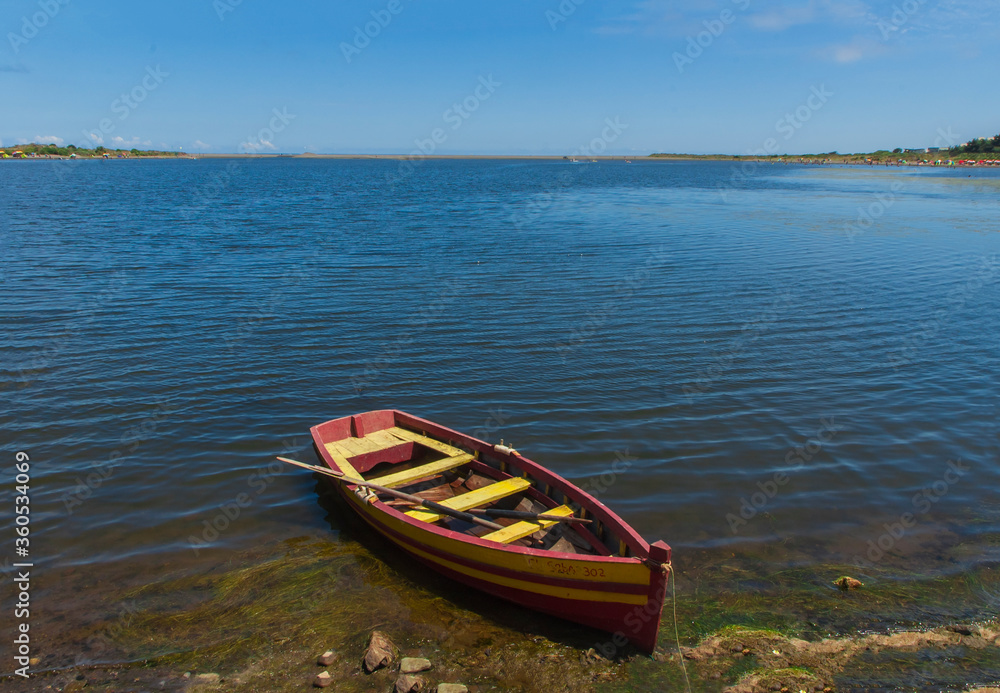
978 146
97 152
975 149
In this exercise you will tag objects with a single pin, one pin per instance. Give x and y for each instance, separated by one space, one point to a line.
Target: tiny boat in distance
481 526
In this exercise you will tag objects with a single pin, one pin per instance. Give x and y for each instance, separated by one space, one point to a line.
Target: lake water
796 361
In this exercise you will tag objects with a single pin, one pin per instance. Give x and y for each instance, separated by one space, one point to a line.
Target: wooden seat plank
409 476
357 446
427 441
473 499
346 447
384 439
338 456
519 530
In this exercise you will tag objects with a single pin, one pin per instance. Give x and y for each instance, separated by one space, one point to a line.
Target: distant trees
979 145
35 149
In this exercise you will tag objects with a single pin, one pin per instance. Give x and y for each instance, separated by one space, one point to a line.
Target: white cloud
681 18
858 49
134 142
49 139
847 11
198 144
95 138
257 145
850 53
783 18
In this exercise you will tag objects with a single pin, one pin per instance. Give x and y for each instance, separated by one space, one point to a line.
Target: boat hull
619 595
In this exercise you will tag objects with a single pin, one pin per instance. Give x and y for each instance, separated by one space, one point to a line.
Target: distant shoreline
977 151
875 159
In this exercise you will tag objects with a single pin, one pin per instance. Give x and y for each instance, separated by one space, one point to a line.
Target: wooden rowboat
582 562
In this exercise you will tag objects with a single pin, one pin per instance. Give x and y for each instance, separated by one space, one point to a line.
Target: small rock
848 583
323 680
746 652
187 674
413 665
409 684
34 660
452 688
380 652
327 658
961 630
207 679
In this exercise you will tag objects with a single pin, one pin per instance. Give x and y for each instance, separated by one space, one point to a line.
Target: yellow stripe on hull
533 587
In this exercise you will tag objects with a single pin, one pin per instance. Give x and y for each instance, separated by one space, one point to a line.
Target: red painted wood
638 624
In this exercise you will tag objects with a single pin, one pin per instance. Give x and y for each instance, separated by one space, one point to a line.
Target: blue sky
491 77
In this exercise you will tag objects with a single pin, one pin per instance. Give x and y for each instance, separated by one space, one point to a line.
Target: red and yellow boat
590 568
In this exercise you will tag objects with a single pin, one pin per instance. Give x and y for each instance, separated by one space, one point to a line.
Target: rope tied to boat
672 577
366 494
657 565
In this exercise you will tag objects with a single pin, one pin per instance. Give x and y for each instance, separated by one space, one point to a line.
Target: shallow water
666 334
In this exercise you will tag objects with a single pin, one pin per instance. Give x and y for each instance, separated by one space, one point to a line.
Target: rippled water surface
793 356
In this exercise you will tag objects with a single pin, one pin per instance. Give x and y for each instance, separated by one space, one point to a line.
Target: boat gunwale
595 508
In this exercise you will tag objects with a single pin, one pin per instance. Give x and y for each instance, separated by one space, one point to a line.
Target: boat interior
469 480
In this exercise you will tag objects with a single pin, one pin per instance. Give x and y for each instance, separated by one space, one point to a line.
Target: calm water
666 334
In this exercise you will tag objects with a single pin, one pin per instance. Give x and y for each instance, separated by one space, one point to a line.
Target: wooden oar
416 500
522 515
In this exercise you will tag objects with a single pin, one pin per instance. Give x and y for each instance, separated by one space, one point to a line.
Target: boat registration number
561 568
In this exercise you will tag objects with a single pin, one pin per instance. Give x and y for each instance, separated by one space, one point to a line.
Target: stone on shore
413 665
380 652
848 583
207 680
323 680
327 658
452 688
410 684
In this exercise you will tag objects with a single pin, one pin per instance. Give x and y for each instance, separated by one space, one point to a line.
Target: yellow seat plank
472 499
336 452
519 530
384 439
356 446
408 476
449 450
373 442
